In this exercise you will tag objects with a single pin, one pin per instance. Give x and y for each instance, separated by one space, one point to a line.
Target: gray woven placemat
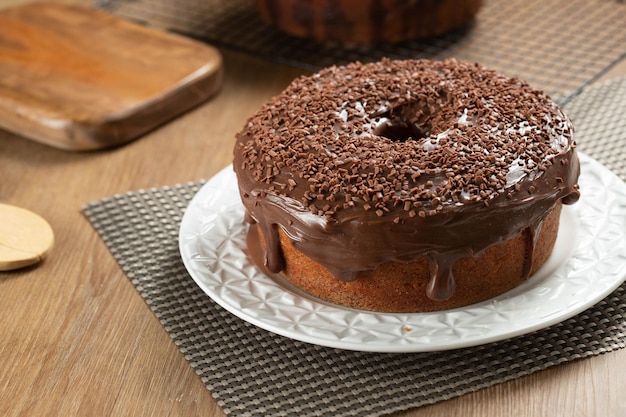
252 372
555 45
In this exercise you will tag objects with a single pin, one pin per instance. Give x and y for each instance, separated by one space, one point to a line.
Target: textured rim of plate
589 262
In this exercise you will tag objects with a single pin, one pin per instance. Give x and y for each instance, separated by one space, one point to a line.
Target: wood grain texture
77 78
78 340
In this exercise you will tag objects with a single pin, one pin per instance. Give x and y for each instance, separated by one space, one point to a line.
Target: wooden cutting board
80 79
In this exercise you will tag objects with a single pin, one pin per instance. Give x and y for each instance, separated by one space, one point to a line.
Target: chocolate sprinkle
456 131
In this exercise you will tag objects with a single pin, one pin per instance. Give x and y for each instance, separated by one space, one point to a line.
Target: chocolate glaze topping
395 160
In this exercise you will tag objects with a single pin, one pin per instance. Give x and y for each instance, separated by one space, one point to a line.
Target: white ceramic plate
588 263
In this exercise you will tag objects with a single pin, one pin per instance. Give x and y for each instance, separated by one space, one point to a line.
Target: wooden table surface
76 339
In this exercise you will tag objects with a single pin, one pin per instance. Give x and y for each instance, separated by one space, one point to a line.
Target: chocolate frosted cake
406 186
367 21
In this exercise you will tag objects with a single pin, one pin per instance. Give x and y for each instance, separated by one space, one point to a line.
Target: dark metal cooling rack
556 45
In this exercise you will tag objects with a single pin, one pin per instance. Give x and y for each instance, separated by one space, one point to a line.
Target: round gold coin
25 237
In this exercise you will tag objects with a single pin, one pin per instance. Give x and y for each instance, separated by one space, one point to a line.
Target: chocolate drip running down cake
367 21
406 186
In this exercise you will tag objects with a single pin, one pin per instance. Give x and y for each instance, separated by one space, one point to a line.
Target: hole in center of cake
410 121
401 131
